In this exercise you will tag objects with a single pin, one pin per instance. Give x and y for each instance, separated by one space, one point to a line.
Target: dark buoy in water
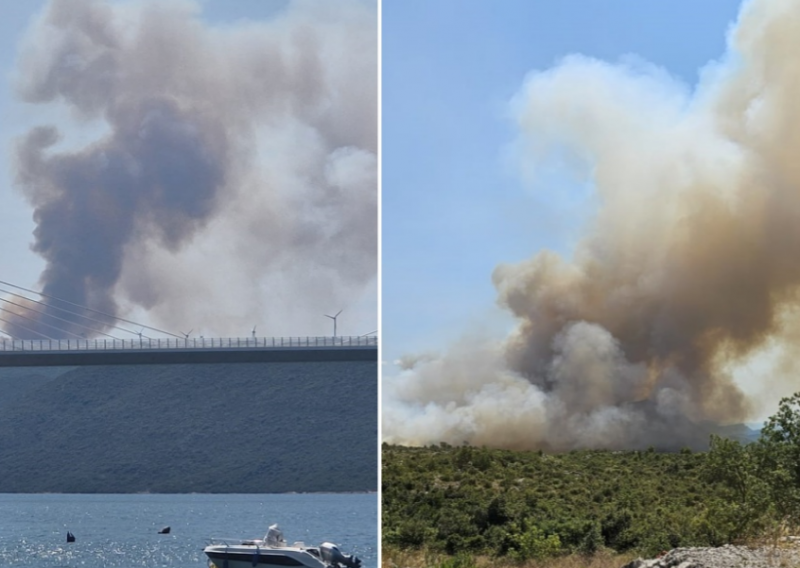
70 537
165 530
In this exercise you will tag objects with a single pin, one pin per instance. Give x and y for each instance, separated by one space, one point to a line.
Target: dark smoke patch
157 175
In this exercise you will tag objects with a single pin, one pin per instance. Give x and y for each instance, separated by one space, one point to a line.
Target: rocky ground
786 555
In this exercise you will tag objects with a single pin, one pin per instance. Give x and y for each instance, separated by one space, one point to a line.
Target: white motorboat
273 550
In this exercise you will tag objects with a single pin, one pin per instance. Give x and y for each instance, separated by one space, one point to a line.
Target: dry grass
395 558
778 536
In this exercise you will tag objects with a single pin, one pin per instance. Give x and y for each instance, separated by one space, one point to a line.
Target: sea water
123 530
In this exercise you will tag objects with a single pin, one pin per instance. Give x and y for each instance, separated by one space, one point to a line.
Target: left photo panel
188 283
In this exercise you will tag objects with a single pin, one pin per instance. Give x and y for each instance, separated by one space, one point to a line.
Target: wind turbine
254 332
186 337
334 320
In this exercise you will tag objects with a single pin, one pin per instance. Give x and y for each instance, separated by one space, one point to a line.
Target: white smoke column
685 270
234 178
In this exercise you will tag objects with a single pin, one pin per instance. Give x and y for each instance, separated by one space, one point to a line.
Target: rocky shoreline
728 556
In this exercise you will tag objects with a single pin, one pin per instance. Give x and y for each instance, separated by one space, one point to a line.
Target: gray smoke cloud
687 271
232 178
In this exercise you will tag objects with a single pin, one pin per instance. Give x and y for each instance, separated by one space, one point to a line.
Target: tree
778 451
746 509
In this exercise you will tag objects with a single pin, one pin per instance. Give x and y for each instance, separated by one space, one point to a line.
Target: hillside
511 504
518 506
242 428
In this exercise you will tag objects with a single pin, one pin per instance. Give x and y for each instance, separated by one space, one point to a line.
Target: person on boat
274 536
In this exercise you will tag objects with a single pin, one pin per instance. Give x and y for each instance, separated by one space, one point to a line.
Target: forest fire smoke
249 147
688 266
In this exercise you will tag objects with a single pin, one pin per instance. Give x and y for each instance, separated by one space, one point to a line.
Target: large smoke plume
232 176
688 269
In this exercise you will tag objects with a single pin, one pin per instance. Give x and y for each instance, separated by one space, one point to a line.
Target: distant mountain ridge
227 428
741 433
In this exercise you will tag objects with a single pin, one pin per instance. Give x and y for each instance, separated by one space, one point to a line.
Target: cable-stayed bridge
41 330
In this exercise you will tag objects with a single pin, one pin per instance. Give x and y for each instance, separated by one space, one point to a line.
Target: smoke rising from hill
233 178
688 267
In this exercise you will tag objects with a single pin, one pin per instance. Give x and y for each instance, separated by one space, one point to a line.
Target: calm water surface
122 530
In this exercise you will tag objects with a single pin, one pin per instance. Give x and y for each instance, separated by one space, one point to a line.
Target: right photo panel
590 283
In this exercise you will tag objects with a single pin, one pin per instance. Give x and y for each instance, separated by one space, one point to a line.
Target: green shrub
532 543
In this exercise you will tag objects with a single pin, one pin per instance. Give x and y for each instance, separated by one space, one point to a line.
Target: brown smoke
233 177
689 266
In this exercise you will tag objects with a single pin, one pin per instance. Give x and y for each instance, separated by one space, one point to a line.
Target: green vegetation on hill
217 428
528 505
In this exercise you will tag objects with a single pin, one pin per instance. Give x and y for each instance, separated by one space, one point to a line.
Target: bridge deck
21 353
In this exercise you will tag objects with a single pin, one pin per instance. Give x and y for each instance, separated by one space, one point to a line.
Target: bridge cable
58 318
42 294
76 314
2 309
27 329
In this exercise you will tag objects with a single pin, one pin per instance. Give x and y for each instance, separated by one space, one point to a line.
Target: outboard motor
332 556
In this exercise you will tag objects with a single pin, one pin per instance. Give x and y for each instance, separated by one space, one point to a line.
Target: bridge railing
204 343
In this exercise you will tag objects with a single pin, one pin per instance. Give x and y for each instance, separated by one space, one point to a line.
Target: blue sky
454 204
15 219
